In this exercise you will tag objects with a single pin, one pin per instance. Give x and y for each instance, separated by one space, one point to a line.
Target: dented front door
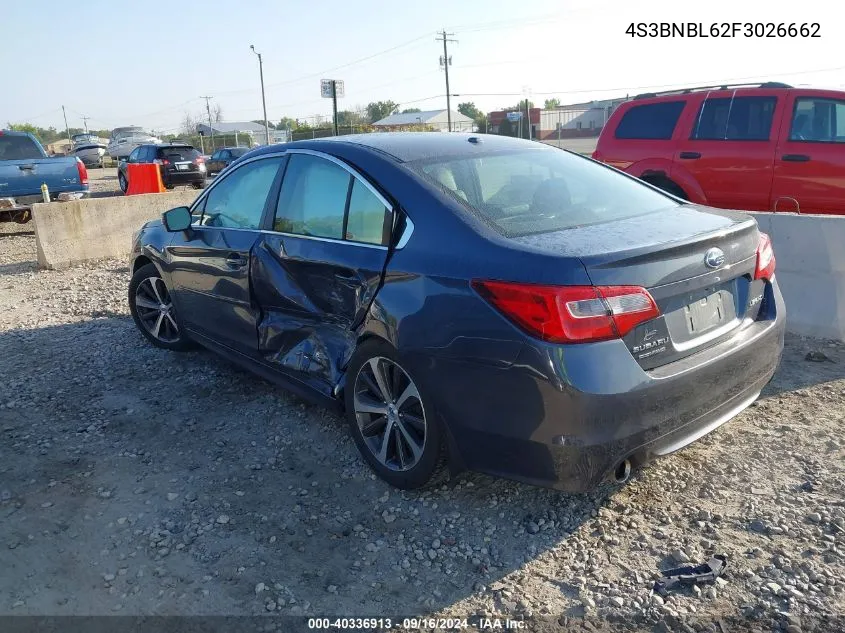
316 273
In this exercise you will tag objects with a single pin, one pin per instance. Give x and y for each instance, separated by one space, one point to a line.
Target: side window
225 155
368 220
653 121
216 155
238 200
313 198
737 119
133 155
818 120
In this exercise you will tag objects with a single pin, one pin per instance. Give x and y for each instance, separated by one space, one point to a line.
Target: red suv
767 147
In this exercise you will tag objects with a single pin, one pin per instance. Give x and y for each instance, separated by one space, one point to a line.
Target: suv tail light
83 172
765 258
199 160
570 314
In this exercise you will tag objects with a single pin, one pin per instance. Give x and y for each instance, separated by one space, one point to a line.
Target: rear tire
152 310
668 186
398 433
200 185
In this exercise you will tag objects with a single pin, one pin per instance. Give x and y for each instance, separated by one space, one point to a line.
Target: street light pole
263 101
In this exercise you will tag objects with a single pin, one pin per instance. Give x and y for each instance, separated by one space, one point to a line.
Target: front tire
121 180
392 419
152 310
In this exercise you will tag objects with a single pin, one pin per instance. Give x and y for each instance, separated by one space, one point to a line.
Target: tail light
83 172
570 314
199 160
765 258
161 161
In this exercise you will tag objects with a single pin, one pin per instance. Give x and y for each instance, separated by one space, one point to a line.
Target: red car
767 147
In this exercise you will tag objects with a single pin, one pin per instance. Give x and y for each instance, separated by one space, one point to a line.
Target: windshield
541 190
18 148
238 152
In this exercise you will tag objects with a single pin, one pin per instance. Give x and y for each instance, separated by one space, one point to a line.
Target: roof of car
411 146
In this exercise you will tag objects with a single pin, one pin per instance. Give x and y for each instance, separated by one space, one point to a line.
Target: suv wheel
152 310
392 419
121 180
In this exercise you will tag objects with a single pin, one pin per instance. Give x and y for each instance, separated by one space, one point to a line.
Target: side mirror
178 219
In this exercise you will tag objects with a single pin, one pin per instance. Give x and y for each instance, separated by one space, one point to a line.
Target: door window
238 200
215 155
654 121
735 119
313 198
818 120
134 154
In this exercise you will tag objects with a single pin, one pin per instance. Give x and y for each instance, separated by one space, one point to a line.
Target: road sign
326 88
512 116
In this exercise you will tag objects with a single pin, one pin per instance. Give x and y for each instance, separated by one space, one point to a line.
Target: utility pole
263 101
67 129
85 122
446 61
210 127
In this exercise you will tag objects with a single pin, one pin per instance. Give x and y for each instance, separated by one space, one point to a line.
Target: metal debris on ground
692 575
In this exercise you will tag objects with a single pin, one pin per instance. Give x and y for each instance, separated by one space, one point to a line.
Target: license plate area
706 313
183 166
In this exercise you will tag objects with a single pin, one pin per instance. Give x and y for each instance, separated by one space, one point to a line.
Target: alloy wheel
390 413
155 310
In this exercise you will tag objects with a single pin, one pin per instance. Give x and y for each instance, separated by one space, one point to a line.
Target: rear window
650 121
541 190
18 148
735 119
178 153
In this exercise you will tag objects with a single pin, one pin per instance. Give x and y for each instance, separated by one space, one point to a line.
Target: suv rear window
18 148
650 121
178 153
735 119
541 190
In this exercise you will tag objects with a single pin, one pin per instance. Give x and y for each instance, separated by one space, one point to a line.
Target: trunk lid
697 263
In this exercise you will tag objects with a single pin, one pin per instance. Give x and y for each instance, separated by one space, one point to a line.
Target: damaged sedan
471 302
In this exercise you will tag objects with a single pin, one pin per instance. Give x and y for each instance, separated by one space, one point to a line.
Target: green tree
286 122
506 128
411 110
551 104
468 109
378 110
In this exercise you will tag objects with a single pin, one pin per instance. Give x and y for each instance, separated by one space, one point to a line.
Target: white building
436 119
577 119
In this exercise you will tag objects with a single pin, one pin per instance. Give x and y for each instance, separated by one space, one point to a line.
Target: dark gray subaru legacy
471 301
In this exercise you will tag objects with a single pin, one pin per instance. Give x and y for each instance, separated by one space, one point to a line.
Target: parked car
767 147
179 165
224 157
25 166
471 301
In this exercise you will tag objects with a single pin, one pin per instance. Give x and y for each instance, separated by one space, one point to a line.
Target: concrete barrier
810 253
69 233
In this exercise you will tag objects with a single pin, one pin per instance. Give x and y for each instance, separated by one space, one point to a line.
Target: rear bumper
566 416
184 178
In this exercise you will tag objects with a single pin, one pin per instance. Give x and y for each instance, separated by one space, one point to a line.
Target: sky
122 62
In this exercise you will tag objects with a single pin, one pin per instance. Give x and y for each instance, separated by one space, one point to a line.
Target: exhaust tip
622 472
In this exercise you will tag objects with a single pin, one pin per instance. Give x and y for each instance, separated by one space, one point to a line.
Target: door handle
234 260
795 158
26 167
345 276
689 155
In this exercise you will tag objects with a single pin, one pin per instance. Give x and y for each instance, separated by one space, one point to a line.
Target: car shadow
18 268
270 491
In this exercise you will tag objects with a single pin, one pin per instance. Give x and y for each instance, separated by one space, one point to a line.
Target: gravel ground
103 183
138 481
